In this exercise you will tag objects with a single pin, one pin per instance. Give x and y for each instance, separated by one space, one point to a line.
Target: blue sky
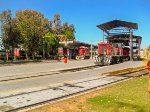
86 14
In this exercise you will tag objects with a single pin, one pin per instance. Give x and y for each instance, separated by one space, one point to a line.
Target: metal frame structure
1 33
118 27
124 40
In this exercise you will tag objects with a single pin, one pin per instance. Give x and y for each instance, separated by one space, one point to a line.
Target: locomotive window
103 50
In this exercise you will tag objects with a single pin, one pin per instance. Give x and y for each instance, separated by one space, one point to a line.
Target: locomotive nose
96 60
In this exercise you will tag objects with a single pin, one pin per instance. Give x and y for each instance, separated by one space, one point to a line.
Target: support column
1 33
139 48
103 37
91 50
68 53
131 45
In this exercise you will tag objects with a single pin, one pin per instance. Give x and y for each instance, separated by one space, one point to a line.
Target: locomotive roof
118 23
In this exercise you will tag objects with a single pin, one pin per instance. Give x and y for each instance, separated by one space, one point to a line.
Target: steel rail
48 73
145 72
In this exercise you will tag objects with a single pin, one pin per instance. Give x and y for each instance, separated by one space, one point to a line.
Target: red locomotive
110 54
83 53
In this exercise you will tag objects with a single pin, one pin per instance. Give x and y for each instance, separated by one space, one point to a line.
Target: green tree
65 26
5 18
57 24
9 32
62 32
50 43
70 35
72 28
32 26
27 29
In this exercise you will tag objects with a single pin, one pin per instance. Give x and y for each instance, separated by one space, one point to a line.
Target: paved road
41 67
46 67
24 92
45 81
49 82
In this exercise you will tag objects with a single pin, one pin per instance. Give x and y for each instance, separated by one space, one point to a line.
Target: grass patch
129 96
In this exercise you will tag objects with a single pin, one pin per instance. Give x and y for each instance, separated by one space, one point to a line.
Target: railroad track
40 74
17 102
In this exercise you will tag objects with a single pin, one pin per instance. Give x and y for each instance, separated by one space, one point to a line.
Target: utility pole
131 45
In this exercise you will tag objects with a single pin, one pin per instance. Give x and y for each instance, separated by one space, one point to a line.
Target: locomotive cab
83 53
108 54
104 49
104 54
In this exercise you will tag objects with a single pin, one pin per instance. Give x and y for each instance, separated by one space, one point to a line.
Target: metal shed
121 32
